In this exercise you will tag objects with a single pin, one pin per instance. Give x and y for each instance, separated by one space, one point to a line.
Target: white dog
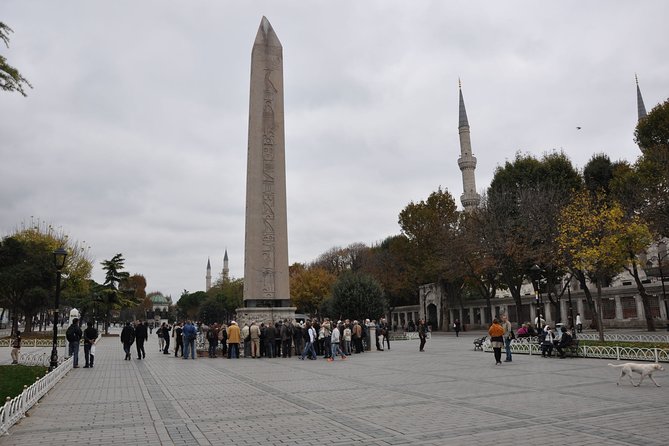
642 369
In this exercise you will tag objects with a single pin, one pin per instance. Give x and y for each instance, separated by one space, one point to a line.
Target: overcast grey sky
134 136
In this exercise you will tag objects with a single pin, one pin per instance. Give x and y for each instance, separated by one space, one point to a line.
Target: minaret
208 285
470 199
226 270
641 109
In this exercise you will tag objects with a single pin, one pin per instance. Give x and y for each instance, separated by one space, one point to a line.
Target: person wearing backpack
189 335
73 336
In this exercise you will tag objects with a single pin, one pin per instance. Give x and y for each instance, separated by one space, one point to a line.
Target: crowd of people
308 339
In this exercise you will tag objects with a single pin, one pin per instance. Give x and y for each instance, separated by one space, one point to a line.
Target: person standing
422 334
189 335
73 336
347 339
177 334
270 334
246 337
298 337
161 340
357 336
254 333
212 339
16 347
223 340
386 332
166 337
508 334
579 323
380 335
127 338
286 339
456 327
90 337
496 332
234 337
141 335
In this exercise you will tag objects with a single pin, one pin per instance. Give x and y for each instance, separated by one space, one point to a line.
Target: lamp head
59 256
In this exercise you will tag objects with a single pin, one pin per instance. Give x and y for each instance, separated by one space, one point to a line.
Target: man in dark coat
141 335
90 337
127 338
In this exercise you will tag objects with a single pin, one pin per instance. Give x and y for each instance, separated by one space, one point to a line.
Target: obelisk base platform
263 314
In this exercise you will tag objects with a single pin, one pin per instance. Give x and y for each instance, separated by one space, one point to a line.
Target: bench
572 348
478 343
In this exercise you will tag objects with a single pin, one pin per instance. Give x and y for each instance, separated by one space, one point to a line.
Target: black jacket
128 335
141 333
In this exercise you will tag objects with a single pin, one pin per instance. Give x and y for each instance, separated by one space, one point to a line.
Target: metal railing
624 337
16 408
61 342
597 352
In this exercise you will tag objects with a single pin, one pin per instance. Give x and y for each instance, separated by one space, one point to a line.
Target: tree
309 287
357 296
522 205
652 135
229 294
29 254
433 229
115 297
27 274
389 263
10 78
594 238
188 305
619 182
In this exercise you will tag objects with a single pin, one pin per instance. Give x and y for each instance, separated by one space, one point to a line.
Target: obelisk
266 284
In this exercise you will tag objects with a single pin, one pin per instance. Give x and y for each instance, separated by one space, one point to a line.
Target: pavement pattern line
447 395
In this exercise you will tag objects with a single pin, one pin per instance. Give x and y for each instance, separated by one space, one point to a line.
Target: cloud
134 137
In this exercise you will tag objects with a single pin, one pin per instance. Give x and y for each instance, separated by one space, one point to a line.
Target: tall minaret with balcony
470 199
226 270
208 277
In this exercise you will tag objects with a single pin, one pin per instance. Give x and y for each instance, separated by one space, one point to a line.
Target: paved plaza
447 395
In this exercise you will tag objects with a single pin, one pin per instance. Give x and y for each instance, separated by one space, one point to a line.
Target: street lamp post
571 311
59 256
536 273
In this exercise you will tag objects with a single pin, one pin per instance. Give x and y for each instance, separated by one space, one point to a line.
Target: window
629 307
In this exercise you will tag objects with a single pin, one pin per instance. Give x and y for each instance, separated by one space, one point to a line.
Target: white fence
601 352
36 342
624 337
15 409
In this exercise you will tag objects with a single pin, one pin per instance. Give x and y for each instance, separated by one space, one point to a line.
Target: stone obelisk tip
266 34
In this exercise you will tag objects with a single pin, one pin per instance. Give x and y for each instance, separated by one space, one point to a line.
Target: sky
133 138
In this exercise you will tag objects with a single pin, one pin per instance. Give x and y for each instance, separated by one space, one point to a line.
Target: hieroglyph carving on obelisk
266 244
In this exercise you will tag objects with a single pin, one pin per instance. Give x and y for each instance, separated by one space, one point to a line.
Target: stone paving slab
448 395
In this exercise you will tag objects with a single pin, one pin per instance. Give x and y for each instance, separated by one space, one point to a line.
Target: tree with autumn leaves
595 240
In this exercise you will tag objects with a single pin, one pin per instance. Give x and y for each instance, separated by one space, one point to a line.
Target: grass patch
661 345
14 377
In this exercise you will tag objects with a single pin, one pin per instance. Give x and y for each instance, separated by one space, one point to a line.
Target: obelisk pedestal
266 286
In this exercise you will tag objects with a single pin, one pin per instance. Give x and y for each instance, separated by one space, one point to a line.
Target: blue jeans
507 347
269 348
233 351
334 348
309 349
87 355
74 352
189 346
